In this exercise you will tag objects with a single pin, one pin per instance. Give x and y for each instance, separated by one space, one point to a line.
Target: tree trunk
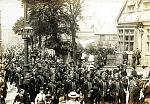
73 31
40 42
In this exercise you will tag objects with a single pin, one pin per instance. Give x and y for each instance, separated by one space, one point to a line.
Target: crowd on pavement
48 78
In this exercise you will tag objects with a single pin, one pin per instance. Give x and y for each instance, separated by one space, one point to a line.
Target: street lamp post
26 33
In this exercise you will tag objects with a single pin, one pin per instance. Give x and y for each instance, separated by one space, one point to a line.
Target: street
12 92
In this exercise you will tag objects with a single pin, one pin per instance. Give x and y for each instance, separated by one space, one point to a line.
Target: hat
73 94
41 88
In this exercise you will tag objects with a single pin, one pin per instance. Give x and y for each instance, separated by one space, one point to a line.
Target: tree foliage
18 25
51 18
91 49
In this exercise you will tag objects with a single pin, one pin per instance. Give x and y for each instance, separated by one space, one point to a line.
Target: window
148 37
148 31
148 46
131 31
120 38
131 38
114 38
120 31
126 38
131 46
126 31
130 8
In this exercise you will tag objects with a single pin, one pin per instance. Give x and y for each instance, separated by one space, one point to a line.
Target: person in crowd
104 54
125 58
73 95
57 79
134 59
3 88
138 56
20 98
48 98
40 98
146 91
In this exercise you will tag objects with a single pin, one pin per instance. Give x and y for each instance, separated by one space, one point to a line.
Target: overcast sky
98 13
102 14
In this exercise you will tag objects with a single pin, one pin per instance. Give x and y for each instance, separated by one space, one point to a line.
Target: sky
99 14
11 10
102 14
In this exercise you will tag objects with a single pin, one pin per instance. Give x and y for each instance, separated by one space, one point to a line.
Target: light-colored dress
72 102
40 98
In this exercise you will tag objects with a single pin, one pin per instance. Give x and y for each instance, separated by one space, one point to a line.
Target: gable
135 11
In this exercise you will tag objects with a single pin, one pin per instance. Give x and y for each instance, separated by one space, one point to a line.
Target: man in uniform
138 56
125 58
147 92
104 54
26 83
133 59
105 87
87 91
131 87
21 98
117 88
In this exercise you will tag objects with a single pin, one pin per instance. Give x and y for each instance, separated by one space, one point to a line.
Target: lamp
26 32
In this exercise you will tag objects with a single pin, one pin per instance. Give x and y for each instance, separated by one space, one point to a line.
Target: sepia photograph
74 51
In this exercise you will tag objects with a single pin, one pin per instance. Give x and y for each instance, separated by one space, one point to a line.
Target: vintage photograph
74 51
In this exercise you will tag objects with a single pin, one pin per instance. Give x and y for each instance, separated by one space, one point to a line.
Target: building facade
98 39
106 40
134 29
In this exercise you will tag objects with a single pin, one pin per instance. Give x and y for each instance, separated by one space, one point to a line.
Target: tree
80 50
51 18
74 9
91 49
18 25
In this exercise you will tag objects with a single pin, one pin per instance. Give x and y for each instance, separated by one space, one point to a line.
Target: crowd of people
136 56
48 80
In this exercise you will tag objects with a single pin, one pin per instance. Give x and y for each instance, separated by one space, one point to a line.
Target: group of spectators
136 56
49 80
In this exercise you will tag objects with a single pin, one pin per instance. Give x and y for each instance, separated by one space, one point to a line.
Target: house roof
121 10
137 15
